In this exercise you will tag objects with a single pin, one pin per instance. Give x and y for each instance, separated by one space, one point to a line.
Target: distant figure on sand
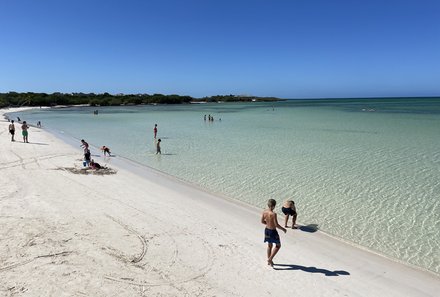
24 132
155 131
269 218
158 147
106 150
12 130
84 145
289 209
38 124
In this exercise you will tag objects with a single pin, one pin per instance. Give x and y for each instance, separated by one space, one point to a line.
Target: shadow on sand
37 143
310 269
310 228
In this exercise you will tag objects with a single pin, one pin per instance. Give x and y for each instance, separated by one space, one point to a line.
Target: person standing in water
24 131
269 218
12 130
155 131
158 147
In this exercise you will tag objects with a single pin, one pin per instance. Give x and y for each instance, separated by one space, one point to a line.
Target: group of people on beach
24 131
88 161
269 218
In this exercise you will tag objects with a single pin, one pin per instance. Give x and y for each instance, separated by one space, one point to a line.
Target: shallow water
366 171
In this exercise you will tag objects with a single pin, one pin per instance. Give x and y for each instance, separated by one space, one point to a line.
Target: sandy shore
141 233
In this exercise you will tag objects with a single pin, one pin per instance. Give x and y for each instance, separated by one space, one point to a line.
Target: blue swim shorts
271 236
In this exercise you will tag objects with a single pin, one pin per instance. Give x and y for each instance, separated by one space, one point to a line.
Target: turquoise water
366 171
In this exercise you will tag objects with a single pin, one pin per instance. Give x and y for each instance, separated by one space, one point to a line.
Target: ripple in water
367 177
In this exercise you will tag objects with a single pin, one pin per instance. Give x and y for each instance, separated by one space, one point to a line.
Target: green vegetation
240 98
105 99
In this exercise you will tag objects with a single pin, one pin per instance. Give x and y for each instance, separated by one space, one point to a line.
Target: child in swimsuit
84 145
106 150
12 130
269 218
24 131
289 209
158 147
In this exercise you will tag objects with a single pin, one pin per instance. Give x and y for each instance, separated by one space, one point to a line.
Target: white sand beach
139 232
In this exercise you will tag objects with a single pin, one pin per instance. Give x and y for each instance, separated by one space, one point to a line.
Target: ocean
366 171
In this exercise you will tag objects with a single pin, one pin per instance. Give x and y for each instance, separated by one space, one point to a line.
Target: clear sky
284 48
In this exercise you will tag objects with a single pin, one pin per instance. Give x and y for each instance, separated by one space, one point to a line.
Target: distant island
106 99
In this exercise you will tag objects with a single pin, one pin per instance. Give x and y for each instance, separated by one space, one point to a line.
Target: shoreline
142 169
145 171
204 225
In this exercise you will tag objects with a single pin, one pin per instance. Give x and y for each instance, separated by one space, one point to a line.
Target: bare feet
270 262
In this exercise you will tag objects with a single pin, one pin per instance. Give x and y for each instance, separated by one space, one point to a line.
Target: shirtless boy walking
12 130
269 218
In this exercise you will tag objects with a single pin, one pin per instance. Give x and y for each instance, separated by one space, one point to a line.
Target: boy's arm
278 225
263 220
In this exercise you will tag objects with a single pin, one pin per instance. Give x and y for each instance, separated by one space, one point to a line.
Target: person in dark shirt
87 158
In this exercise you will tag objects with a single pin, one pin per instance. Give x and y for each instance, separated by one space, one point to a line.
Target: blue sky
284 48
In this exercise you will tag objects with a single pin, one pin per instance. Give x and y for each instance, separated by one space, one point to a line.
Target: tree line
105 99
